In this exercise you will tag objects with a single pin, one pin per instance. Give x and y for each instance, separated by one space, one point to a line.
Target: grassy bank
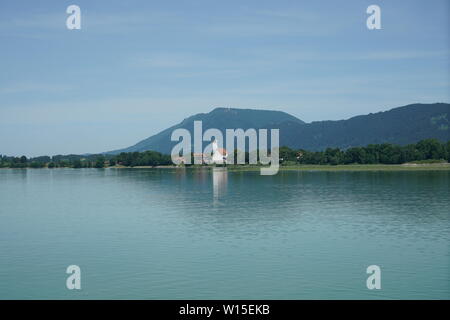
347 167
355 167
370 167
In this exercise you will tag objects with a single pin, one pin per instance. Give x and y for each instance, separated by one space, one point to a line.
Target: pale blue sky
137 67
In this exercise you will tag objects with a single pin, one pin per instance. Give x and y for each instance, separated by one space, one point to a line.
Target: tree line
385 153
428 150
130 159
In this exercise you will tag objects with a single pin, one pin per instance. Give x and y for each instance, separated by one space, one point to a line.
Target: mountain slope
403 125
220 118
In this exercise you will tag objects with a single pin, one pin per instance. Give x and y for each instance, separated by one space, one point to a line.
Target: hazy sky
137 67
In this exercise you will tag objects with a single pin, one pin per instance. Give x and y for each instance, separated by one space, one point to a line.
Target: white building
219 154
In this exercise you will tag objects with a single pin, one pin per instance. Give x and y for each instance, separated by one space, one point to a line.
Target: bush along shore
426 153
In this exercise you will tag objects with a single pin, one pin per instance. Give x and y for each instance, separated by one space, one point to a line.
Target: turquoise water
200 234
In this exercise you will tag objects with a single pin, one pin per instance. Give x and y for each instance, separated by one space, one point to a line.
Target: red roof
222 151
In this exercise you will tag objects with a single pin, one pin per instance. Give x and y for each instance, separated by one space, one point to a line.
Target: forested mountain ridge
401 126
219 118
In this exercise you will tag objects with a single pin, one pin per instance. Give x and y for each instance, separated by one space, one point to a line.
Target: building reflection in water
220 180
180 173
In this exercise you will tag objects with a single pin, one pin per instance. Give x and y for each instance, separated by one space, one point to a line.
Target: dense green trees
429 149
147 158
100 162
59 161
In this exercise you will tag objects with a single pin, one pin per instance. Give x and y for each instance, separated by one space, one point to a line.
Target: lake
216 234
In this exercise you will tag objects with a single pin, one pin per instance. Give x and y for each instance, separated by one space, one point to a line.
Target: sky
138 67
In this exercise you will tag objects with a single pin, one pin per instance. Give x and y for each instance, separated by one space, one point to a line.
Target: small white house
219 155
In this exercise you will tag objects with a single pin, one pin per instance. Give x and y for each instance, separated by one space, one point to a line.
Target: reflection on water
220 180
211 233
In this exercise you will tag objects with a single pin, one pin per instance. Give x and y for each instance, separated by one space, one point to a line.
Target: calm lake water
203 234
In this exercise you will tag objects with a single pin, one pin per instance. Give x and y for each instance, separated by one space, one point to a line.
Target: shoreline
310 167
346 167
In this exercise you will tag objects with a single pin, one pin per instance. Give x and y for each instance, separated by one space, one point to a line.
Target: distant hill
403 125
220 118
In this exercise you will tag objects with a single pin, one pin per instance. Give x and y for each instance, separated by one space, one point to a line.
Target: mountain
402 125
220 118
